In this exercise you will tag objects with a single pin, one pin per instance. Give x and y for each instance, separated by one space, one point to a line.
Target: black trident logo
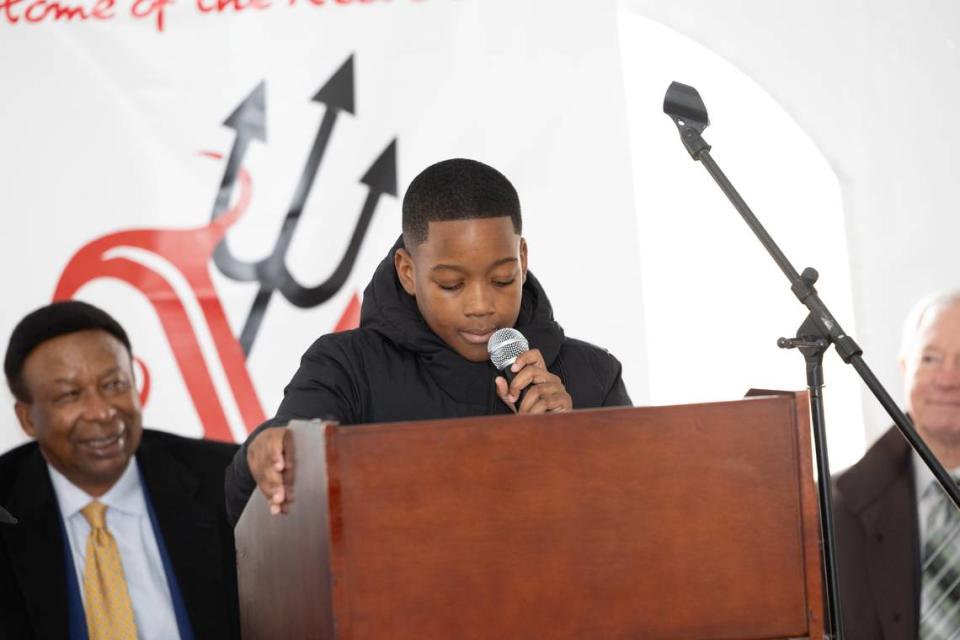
248 120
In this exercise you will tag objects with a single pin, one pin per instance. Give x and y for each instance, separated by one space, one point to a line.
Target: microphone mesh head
504 346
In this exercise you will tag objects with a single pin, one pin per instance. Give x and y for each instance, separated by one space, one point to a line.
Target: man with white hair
897 532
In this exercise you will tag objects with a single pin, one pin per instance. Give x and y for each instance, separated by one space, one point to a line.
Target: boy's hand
545 391
270 457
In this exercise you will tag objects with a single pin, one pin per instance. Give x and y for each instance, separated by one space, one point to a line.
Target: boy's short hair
457 189
46 323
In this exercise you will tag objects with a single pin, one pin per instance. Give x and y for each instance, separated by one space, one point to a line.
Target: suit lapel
36 548
190 534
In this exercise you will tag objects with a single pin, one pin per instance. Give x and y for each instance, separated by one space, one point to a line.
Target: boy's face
467 277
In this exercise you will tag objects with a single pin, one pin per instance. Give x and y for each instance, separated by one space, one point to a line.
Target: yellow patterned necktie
107 602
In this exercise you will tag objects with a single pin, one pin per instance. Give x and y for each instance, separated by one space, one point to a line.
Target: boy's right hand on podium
270 457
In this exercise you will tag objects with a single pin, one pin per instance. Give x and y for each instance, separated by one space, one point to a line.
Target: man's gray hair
924 307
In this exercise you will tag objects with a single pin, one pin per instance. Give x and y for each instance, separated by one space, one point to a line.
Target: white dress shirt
129 523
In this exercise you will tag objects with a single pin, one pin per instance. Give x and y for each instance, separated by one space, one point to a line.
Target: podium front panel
695 521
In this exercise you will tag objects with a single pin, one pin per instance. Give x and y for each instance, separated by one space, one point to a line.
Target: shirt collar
923 477
125 495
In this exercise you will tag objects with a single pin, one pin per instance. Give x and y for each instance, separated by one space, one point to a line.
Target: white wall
874 85
715 301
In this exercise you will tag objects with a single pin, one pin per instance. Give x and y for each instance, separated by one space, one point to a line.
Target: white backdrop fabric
113 147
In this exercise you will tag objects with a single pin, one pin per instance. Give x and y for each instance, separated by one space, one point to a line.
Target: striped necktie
940 594
106 600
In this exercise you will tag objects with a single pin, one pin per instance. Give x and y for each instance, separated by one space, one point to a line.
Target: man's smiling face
83 408
932 376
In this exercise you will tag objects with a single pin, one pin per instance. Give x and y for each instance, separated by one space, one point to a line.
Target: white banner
122 119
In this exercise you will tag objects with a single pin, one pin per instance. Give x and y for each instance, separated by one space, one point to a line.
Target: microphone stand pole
817 332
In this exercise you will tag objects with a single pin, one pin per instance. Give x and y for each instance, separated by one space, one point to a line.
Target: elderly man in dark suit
899 552
121 531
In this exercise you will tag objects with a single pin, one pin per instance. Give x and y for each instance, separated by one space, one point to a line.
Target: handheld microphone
504 346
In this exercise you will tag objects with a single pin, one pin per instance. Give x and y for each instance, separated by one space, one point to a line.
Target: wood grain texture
691 521
283 562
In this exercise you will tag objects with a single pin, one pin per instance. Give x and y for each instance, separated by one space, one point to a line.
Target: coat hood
393 313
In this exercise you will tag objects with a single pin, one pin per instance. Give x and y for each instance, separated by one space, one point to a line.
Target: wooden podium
693 521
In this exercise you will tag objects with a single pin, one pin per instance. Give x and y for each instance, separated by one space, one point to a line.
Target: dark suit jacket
875 510
184 477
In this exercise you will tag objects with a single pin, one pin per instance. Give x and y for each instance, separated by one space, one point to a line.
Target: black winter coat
394 368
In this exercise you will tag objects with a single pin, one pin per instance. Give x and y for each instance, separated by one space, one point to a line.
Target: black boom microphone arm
817 332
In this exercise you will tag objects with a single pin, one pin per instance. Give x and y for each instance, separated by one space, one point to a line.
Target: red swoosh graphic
190 251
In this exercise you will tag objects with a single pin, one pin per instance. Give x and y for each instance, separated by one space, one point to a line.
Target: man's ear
523 259
22 409
406 270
